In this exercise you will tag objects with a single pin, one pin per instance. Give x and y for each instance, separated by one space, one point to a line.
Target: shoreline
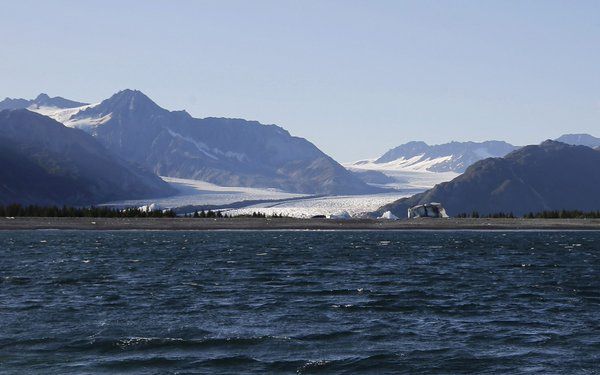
195 224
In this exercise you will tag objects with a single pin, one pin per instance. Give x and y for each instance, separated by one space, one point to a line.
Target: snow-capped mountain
447 157
227 152
419 166
579 140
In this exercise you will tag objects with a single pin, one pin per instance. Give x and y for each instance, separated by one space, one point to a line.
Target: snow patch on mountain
206 150
202 147
415 163
88 122
61 115
68 116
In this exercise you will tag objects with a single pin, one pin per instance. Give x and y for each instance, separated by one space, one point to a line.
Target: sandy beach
29 223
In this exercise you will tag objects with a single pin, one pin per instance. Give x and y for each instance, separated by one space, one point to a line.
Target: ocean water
299 302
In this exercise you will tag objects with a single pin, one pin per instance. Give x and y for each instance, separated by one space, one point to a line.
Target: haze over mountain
550 176
580 139
228 152
43 162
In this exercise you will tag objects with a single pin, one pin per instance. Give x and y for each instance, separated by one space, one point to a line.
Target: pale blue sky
354 77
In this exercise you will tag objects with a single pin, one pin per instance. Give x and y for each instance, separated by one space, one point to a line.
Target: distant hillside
43 162
551 176
228 152
580 139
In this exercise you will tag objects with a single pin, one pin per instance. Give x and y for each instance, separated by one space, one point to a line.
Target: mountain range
43 162
133 136
453 157
550 176
228 152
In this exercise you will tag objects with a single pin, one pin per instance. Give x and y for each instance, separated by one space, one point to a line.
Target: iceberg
343 215
432 209
388 215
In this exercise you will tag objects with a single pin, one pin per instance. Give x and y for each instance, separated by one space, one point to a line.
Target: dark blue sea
76 302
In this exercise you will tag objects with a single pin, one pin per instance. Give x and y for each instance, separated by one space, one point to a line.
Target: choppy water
299 302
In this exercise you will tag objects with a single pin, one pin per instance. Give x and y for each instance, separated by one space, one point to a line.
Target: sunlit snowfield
410 179
195 192
408 175
274 201
200 193
355 205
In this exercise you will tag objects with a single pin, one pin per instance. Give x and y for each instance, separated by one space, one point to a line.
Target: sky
354 77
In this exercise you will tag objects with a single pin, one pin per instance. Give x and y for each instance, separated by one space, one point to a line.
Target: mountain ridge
42 100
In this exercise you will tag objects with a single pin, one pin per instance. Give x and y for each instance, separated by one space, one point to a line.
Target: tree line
17 210
219 214
476 215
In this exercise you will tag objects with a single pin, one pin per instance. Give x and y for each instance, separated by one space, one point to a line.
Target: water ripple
299 302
